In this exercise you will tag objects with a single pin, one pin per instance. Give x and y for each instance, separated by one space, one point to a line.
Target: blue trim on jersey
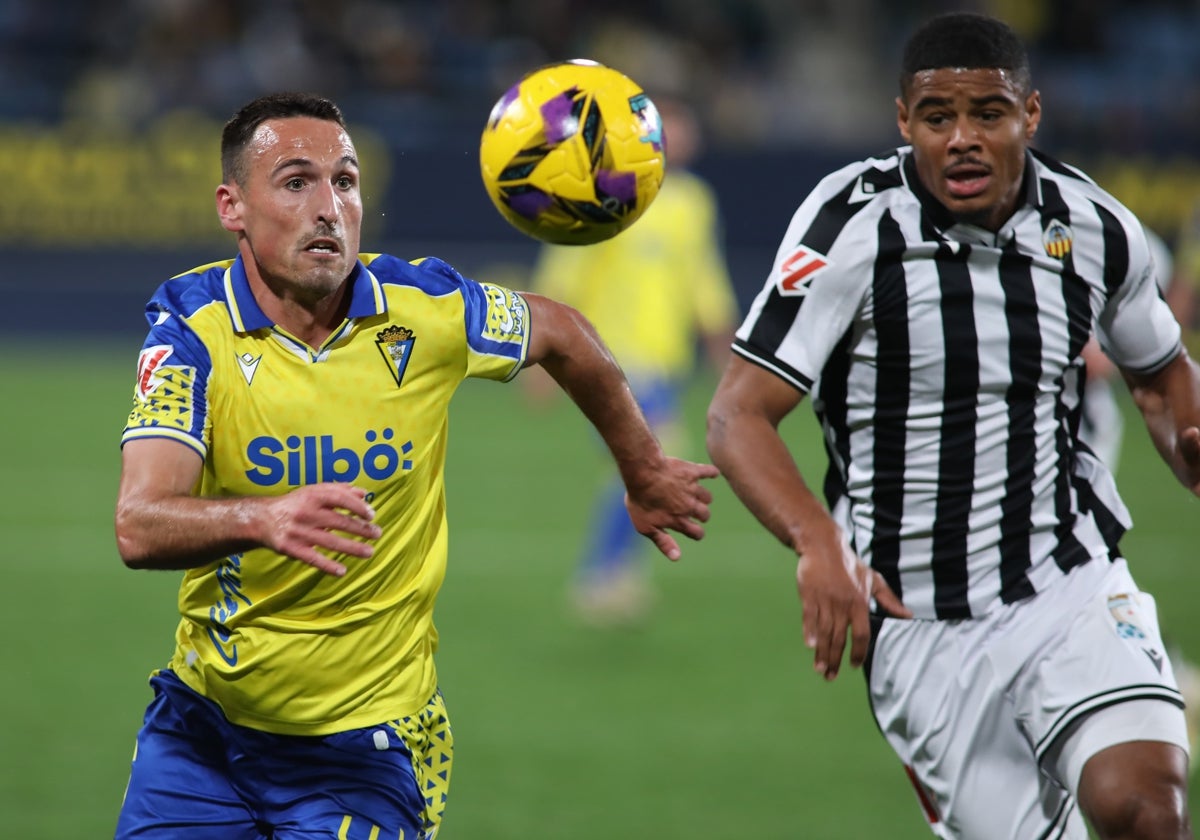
477 311
244 310
438 279
366 297
186 294
169 329
431 275
158 432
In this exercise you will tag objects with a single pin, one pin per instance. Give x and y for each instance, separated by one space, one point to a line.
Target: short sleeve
169 395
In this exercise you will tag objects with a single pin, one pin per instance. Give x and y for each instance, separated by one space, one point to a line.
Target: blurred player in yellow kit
286 450
657 293
1184 294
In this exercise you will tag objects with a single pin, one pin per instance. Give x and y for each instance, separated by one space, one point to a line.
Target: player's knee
1155 808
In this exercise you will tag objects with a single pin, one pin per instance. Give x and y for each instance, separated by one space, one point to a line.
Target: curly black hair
968 40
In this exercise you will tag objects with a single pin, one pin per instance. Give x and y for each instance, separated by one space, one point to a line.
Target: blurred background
705 722
110 112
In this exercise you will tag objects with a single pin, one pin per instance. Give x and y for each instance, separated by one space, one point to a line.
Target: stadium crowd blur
765 72
782 87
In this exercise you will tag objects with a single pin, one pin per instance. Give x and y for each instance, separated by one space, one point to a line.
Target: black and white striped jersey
943 361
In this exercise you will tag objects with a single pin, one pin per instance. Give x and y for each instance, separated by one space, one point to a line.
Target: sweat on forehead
243 127
299 139
940 77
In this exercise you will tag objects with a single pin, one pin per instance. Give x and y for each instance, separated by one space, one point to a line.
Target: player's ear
1033 114
229 207
902 119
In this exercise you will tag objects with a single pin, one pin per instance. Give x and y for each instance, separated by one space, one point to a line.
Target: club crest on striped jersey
396 345
1057 239
797 270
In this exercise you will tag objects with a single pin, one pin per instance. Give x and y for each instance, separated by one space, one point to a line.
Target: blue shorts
196 775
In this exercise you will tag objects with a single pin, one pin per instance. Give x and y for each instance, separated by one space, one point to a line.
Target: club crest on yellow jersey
396 345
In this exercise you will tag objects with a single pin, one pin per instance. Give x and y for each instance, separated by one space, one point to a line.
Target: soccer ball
573 153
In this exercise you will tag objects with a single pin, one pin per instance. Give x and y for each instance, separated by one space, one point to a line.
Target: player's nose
327 203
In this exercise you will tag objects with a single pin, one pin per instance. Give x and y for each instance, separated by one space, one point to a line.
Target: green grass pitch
706 722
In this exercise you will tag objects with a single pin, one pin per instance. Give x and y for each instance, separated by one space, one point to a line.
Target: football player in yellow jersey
657 294
1184 294
286 450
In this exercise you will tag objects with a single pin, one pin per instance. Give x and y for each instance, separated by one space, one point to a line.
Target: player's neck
308 314
312 325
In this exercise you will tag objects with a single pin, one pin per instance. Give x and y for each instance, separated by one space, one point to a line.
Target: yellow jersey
278 645
1187 256
655 288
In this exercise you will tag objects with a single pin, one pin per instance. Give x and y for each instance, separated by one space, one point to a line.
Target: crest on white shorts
1124 611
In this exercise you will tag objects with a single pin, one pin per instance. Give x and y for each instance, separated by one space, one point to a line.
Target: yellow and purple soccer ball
573 153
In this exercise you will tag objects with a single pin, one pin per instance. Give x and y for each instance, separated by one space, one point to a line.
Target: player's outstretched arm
1170 403
834 585
160 524
664 494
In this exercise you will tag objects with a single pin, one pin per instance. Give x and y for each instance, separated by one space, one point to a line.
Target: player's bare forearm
834 586
182 532
663 494
744 442
160 524
1170 404
762 473
568 347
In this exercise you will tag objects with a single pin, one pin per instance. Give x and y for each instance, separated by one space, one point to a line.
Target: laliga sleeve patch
797 270
164 392
150 360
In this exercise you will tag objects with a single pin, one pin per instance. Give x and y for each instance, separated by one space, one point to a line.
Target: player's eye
345 182
296 183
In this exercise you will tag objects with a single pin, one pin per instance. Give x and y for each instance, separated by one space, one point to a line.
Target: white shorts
995 717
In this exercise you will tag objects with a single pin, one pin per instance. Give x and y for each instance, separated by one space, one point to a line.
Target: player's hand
331 516
836 589
671 499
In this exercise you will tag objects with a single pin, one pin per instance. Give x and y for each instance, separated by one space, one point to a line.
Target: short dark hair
241 127
965 39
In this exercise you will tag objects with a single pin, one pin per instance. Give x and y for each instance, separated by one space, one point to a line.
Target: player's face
969 129
299 210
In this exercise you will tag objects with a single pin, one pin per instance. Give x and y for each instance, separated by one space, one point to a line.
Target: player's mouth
967 180
323 247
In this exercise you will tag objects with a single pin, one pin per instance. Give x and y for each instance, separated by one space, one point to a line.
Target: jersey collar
366 297
937 211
